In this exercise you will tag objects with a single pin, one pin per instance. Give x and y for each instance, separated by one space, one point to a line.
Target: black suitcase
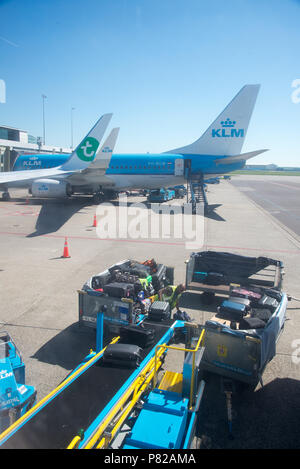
159 311
99 281
263 314
119 290
267 302
243 301
125 277
124 355
274 294
214 278
251 323
159 278
138 269
232 310
137 335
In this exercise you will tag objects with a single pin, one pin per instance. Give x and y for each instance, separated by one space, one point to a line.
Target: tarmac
40 310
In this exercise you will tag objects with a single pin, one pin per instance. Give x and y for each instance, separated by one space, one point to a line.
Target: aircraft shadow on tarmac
54 214
264 419
210 210
68 348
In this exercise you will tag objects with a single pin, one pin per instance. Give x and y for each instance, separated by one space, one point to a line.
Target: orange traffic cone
66 250
95 221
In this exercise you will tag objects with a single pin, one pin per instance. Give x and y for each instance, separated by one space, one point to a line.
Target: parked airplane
216 152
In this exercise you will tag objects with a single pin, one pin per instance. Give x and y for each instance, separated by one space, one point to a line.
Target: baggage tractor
124 355
231 310
242 301
119 290
137 335
159 311
254 297
267 302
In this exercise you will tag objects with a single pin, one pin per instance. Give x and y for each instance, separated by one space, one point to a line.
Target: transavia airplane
89 170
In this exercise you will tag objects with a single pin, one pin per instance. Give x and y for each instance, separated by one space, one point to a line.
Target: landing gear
5 196
98 198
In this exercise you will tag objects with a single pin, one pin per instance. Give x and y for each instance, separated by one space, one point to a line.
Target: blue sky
165 68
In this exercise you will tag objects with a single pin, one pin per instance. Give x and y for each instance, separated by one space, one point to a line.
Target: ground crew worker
172 294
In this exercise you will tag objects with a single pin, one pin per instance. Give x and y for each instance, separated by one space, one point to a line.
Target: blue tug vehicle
16 398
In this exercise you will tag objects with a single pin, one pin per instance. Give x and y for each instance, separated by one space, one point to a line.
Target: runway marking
11 212
205 246
285 185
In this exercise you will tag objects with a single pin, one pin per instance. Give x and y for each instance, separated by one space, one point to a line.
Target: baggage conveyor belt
76 403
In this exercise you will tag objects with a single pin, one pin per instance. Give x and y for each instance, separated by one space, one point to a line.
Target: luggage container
242 355
120 311
222 272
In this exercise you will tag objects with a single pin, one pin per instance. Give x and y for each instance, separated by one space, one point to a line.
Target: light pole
43 98
72 109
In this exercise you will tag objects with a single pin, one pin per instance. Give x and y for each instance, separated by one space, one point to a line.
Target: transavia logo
87 149
228 130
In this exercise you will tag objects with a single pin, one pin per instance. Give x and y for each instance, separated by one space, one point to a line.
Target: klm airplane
88 170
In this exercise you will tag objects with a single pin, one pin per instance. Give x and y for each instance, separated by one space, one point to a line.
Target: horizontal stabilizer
238 158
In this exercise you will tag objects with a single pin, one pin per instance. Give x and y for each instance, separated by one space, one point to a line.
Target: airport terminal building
14 142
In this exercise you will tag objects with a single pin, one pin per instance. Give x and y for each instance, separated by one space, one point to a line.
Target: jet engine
51 188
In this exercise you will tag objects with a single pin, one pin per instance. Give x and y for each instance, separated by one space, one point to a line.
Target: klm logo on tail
228 130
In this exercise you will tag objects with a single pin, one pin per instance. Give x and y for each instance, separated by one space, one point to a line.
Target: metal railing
182 349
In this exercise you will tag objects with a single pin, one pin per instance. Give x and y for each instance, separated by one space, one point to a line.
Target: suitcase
99 281
244 293
159 278
263 314
199 277
214 278
141 270
159 311
124 355
152 264
233 311
242 301
137 335
267 302
251 323
125 277
274 294
119 290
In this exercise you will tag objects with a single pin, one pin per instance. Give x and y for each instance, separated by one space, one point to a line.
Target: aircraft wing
29 175
238 158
